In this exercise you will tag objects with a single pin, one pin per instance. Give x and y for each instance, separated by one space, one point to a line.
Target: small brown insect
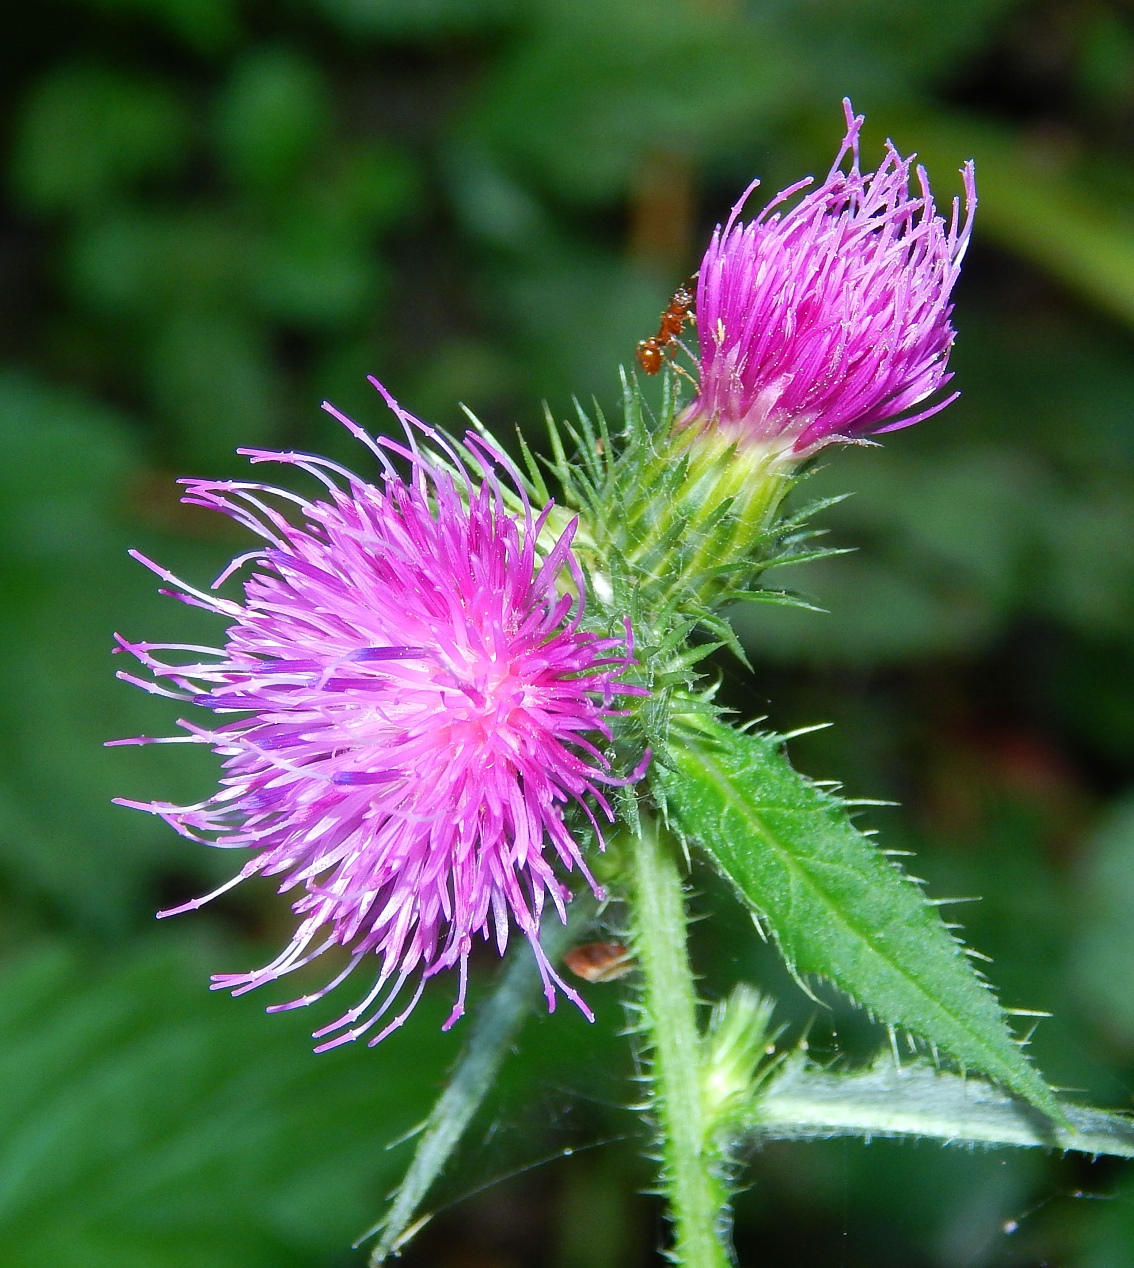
651 353
599 961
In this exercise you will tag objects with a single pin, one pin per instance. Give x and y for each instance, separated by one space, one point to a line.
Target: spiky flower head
416 706
827 319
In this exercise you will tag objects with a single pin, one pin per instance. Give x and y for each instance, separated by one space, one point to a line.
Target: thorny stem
697 1196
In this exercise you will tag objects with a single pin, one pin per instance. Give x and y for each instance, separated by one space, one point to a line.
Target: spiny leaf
780 598
835 905
535 476
802 1102
789 558
807 512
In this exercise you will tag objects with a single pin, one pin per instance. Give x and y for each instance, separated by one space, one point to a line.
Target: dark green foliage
174 1128
498 1021
90 133
219 213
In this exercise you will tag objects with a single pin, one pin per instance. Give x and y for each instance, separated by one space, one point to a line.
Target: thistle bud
827 319
824 320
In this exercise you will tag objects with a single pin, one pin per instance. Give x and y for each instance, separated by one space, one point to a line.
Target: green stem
696 1195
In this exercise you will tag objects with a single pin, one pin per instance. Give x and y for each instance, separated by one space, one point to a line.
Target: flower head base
829 320
418 706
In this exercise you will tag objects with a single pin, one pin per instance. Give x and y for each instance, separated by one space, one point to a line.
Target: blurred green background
217 212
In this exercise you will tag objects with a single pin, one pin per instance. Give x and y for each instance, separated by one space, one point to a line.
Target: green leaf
71 485
803 1102
835 905
498 1021
417 20
207 26
587 89
146 1121
211 374
314 270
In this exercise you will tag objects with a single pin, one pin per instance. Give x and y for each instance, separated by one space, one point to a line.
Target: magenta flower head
828 319
415 705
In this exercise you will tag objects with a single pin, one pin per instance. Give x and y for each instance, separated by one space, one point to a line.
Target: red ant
652 352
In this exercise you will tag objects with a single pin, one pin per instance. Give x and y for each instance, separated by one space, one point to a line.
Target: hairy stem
697 1195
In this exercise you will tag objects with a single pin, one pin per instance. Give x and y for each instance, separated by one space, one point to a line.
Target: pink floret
828 319
415 707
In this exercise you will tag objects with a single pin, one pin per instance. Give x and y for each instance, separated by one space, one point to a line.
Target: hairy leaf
836 906
802 1102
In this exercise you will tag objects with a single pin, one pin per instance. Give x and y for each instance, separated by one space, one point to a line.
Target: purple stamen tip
827 319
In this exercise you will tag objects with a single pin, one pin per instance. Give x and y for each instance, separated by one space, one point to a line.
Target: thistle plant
467 699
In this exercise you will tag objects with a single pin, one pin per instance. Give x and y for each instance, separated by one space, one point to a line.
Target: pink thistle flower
830 319
419 707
